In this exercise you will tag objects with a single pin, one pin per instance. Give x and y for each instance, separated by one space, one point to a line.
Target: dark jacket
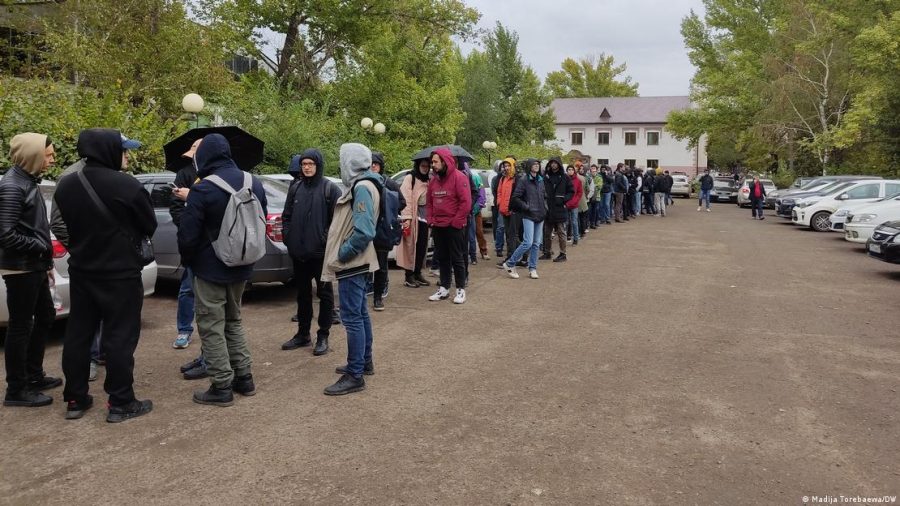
57 225
559 191
202 216
529 196
650 183
752 188
184 178
706 182
620 183
664 183
97 247
24 229
308 209
607 182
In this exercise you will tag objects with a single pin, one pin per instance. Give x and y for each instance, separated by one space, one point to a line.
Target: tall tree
481 102
590 77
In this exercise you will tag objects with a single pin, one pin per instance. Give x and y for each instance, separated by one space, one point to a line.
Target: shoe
441 294
485 256
511 271
27 399
618 221
321 346
128 411
474 261
410 281
297 341
607 222
215 396
346 385
384 293
378 305
370 289
295 318
434 273
499 254
196 373
575 242
501 264
533 274
368 369
92 375
192 364
75 409
45 383
336 316
708 210
699 208
244 385
546 256
560 258
762 217
182 341
460 296
421 281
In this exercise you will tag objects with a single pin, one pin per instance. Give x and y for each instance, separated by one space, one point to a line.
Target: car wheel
819 221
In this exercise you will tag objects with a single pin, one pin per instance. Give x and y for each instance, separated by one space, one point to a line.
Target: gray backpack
242 237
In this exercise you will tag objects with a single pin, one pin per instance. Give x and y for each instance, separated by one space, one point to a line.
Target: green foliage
590 77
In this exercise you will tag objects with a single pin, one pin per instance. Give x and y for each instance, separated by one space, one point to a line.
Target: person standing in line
449 202
414 242
497 218
218 288
706 185
530 198
583 201
663 184
594 199
349 258
637 175
507 215
757 198
620 189
478 201
647 189
381 279
106 212
184 317
572 204
559 190
307 215
606 194
671 182
26 264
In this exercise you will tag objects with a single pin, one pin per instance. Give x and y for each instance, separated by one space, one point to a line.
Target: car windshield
835 189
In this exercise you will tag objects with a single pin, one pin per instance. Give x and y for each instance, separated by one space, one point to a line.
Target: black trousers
450 244
381 275
305 273
513 229
421 247
114 305
31 315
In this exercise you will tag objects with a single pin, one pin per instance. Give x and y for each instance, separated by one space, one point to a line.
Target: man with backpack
307 215
222 234
382 249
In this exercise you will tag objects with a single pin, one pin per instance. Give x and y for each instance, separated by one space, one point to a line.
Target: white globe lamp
192 103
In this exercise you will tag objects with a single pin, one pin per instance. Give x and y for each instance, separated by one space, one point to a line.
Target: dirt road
696 359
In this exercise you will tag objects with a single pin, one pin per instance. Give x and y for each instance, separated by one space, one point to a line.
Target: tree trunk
287 50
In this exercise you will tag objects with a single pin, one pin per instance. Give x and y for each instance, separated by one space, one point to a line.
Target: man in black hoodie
307 215
105 272
620 189
559 190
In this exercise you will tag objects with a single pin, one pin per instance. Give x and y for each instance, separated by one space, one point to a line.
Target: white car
743 196
681 186
862 222
839 218
815 211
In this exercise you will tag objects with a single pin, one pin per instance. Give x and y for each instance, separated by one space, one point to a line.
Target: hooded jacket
559 191
449 197
98 248
24 230
308 209
205 209
529 196
506 182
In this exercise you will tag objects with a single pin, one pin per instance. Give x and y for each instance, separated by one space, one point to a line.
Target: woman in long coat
414 244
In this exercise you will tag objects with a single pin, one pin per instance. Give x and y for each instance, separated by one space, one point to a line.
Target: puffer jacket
24 228
529 197
559 191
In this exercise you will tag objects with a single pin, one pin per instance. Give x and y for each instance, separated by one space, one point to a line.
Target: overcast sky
644 34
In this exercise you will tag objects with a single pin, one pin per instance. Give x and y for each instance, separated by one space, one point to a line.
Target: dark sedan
885 242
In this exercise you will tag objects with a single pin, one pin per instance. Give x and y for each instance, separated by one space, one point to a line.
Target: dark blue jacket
308 209
205 208
529 196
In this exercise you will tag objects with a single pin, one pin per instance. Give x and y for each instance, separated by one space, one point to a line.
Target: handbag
143 248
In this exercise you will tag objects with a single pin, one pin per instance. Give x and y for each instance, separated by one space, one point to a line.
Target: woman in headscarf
414 242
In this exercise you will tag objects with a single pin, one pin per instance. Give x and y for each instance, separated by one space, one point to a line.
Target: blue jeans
636 202
499 233
532 237
573 223
704 197
185 315
756 207
355 317
605 209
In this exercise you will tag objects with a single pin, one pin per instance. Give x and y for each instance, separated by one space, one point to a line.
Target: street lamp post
192 103
489 147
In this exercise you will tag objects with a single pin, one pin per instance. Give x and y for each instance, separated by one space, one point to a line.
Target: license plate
875 248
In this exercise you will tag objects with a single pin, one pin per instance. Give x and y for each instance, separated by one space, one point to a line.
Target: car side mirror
844 196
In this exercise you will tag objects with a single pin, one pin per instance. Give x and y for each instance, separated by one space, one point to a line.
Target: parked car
60 288
486 177
275 266
784 202
681 185
814 211
862 222
743 196
723 190
838 219
885 242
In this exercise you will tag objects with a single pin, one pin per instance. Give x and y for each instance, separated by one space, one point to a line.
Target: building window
630 138
577 138
652 164
603 138
653 138
603 161
630 162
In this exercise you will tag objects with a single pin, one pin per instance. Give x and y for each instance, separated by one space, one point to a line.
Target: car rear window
276 192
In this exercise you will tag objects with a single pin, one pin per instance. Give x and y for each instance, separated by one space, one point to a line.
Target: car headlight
896 239
864 218
842 212
803 205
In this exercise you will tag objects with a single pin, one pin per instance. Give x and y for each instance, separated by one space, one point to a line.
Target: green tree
481 102
590 77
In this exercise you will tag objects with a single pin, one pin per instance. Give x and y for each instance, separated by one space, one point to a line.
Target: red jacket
449 198
579 192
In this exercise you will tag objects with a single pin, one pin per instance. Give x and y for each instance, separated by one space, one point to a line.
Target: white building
631 130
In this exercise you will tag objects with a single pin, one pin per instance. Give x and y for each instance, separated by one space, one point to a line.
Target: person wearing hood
496 217
606 193
509 221
350 257
104 272
413 218
307 215
559 191
217 287
573 203
381 279
475 227
26 263
449 202
529 198
620 189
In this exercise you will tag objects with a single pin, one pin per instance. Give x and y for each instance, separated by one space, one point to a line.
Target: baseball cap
130 143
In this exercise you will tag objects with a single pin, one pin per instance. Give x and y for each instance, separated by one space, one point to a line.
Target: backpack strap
218 181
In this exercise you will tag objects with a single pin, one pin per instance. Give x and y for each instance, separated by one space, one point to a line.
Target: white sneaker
92 375
511 271
708 210
460 296
533 274
441 294
699 208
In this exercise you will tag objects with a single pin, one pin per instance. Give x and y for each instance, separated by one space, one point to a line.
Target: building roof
616 109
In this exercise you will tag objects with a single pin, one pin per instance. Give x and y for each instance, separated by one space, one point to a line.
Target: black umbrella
246 150
457 151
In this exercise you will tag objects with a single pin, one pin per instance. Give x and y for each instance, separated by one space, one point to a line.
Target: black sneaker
378 305
410 281
297 341
295 318
45 383
27 399
196 373
75 409
192 364
560 258
368 369
421 281
546 256
128 411
346 385
213 396
522 263
336 316
321 346
244 385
